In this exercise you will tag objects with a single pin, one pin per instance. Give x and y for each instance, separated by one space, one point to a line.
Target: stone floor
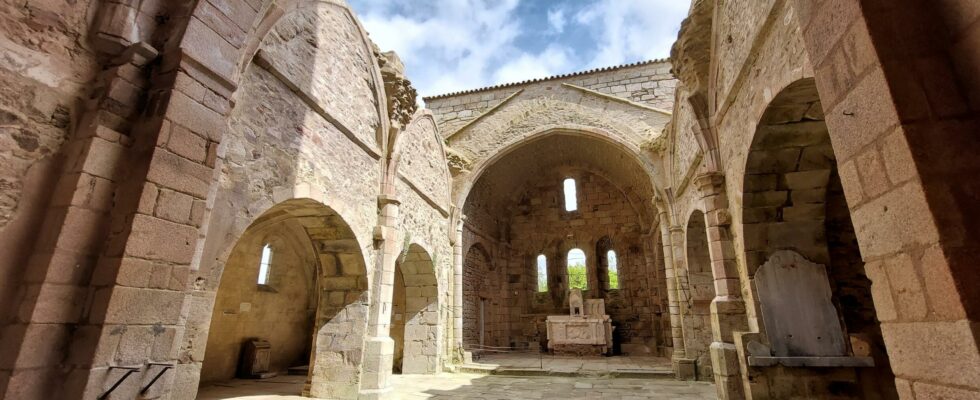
576 365
480 387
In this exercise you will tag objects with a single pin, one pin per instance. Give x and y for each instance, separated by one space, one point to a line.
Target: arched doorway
478 287
268 281
296 278
793 201
701 290
415 314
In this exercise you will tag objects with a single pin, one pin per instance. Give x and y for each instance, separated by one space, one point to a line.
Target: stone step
303 370
514 371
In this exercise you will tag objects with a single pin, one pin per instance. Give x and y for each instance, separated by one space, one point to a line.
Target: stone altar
587 330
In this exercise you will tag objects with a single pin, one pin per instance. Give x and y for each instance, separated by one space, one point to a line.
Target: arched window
264 265
577 276
571 201
542 273
611 266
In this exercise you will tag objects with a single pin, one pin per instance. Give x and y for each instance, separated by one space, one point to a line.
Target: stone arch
464 184
244 309
477 293
462 187
338 305
696 311
793 200
415 313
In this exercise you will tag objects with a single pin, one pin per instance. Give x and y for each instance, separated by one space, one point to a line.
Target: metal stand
155 378
129 371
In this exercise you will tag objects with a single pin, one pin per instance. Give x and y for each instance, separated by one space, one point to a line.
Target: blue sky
452 45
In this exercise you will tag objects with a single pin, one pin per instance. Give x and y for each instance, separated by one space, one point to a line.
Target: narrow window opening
542 273
571 201
577 276
613 269
264 265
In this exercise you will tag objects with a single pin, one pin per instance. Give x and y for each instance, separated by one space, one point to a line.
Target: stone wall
736 64
43 78
542 226
649 83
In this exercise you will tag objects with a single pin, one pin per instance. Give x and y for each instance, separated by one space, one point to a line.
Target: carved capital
399 92
691 54
457 162
710 183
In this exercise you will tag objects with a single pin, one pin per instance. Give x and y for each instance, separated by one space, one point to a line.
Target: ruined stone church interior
248 199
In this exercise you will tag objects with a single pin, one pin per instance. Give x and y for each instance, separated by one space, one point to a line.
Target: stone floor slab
480 387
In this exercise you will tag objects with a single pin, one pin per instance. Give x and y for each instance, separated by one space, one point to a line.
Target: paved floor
481 387
570 364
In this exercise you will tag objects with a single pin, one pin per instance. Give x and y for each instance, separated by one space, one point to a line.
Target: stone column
458 289
673 306
728 307
379 348
684 365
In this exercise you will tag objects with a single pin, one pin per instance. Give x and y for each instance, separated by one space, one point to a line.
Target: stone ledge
854 362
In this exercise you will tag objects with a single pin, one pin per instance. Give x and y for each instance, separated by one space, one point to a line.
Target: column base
685 369
725 365
376 368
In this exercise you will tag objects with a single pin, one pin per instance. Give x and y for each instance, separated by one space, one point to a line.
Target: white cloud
632 30
553 60
556 19
453 45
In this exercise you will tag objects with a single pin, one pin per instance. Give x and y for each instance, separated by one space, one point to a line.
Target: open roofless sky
452 45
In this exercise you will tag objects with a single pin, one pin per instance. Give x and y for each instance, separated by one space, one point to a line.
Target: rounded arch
479 288
634 152
638 197
317 238
415 313
244 306
701 291
793 202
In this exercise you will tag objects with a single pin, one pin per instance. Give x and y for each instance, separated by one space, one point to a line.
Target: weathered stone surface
800 318
150 150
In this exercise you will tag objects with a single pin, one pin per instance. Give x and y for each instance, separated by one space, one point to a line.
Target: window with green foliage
542 273
613 269
578 278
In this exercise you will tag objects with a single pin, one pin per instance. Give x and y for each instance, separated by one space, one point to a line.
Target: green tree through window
578 278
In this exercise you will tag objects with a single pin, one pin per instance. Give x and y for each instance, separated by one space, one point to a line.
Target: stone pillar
728 307
458 290
684 364
673 302
379 348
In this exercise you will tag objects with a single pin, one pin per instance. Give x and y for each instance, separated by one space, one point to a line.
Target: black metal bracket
129 371
155 378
